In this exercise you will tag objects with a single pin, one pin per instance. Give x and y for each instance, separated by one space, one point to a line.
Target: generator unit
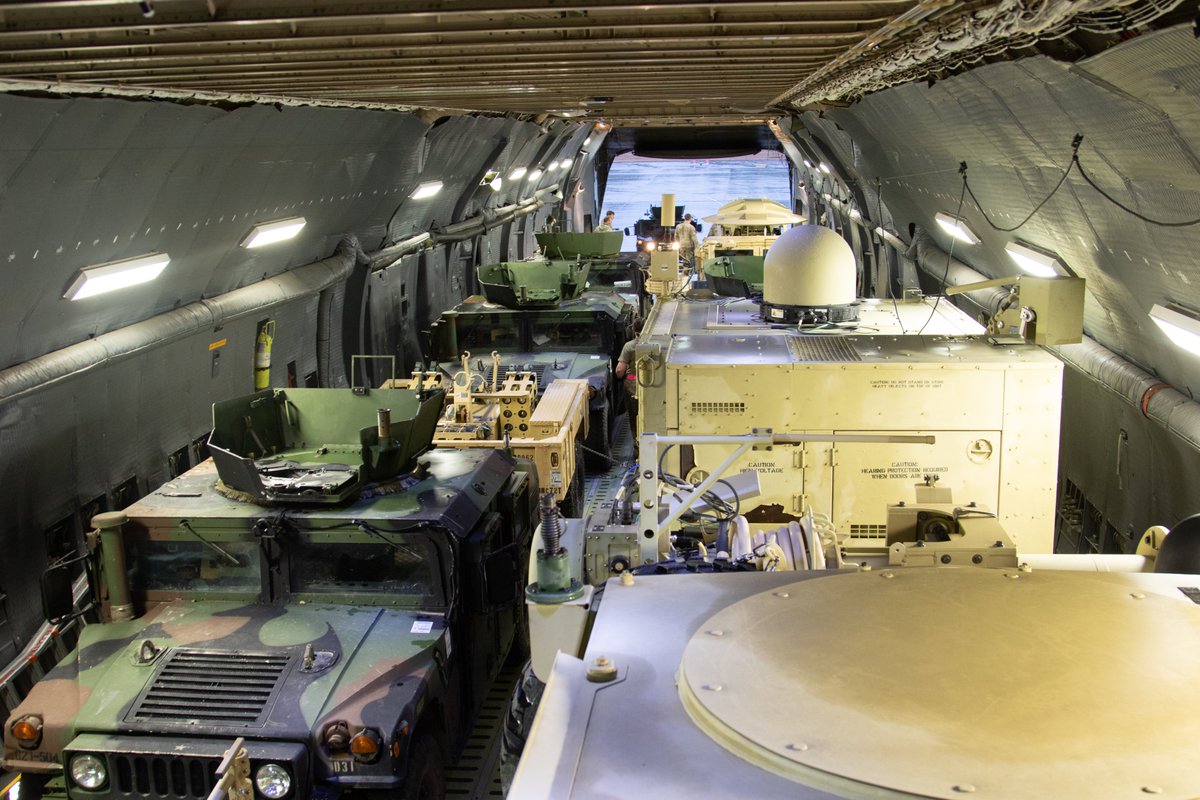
915 366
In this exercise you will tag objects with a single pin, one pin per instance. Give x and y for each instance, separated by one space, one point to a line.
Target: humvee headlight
674 245
88 771
273 781
649 245
365 746
28 731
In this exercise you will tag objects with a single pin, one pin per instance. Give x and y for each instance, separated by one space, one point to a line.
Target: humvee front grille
212 687
163 776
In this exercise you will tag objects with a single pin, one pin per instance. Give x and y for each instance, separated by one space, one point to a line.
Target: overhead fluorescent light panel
279 230
1180 325
426 189
517 173
956 228
492 180
108 277
1035 262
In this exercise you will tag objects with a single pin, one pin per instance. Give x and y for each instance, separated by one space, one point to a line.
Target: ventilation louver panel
867 531
212 688
719 408
822 349
538 370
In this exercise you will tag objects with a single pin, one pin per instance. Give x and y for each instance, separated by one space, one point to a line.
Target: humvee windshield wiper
374 532
546 337
228 557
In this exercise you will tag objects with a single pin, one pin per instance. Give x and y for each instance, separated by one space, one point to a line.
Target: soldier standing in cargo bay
607 224
685 236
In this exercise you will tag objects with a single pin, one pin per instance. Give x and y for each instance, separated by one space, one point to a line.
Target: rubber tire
426 772
522 707
598 440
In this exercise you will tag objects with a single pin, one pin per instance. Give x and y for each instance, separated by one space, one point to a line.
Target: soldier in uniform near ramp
685 236
626 373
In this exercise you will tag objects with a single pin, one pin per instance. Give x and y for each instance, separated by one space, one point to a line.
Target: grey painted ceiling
666 62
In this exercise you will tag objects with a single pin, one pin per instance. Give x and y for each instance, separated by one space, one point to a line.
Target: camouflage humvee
579 338
350 645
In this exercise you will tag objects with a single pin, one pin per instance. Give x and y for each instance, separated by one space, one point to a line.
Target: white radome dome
809 265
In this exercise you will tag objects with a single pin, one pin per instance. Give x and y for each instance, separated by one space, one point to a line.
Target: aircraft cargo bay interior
596 399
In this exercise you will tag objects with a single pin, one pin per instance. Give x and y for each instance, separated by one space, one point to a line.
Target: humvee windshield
566 336
406 569
177 566
486 332
403 571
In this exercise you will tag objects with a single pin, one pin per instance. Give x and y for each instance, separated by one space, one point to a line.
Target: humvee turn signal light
366 745
28 731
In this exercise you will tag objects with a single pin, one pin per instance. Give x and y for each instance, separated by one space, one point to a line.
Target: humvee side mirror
57 601
625 231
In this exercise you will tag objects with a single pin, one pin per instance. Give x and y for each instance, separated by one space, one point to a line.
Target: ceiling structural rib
629 63
667 62
943 35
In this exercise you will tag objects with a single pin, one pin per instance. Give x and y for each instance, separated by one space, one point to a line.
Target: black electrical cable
1076 163
877 233
962 169
1127 209
1078 140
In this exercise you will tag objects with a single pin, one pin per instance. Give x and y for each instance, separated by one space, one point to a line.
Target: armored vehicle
593 245
348 644
746 227
735 276
607 265
533 283
579 338
651 230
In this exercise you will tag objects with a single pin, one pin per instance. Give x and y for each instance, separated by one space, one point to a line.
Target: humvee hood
230 668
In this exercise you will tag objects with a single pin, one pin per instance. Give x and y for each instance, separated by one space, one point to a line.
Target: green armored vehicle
579 338
348 644
601 251
533 283
571 245
735 275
